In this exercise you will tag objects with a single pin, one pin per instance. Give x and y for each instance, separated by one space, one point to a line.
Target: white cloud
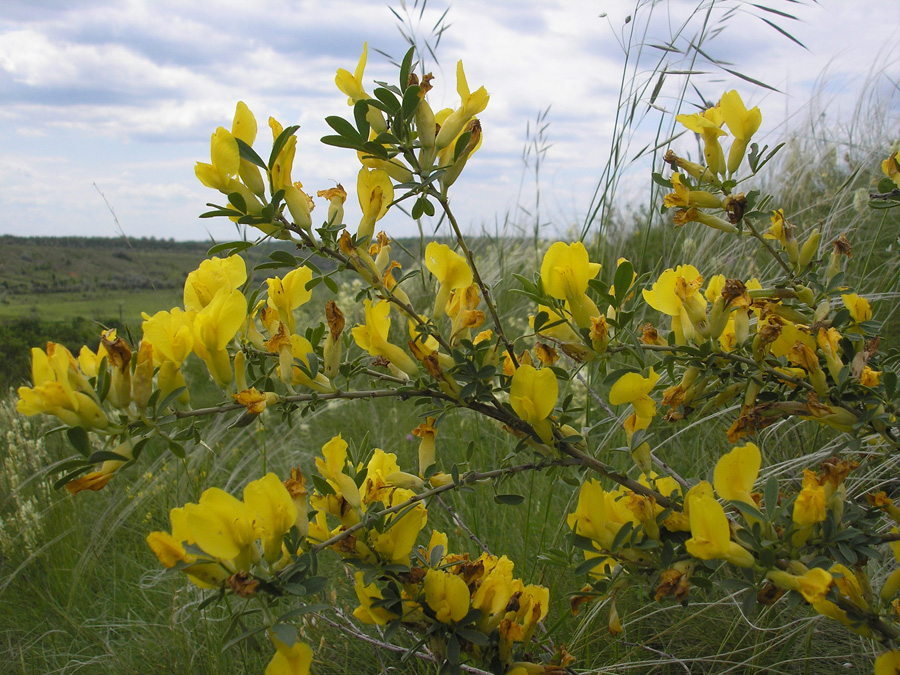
126 93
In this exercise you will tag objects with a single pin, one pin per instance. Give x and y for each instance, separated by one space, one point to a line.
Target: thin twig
304 398
660 463
465 528
485 292
466 479
359 635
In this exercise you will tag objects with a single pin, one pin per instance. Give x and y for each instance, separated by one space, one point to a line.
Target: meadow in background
70 566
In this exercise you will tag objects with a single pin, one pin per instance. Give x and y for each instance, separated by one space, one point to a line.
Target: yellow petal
736 472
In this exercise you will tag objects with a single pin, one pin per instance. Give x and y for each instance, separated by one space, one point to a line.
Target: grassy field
81 592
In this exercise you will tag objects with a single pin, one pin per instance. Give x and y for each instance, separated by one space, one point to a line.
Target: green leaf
231 246
622 281
285 633
176 448
748 510
283 257
78 439
71 476
237 201
388 99
106 455
476 637
229 213
461 144
243 636
279 143
509 499
322 485
168 400
770 495
299 611
341 142
344 128
410 101
360 110
249 154
406 66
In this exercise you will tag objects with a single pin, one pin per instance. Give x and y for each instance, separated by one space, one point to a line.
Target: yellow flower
426 432
222 526
214 328
708 124
471 103
59 390
375 192
711 534
859 307
736 472
493 594
891 168
243 127
888 663
686 198
293 660
635 389
351 85
373 337
368 612
809 507
286 295
742 124
331 467
169 549
226 163
450 269
565 273
869 377
210 277
396 542
533 394
677 293
171 334
273 512
447 595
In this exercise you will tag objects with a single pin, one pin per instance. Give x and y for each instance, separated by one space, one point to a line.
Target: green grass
81 592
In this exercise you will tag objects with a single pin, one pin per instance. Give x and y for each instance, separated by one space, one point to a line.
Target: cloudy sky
120 97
